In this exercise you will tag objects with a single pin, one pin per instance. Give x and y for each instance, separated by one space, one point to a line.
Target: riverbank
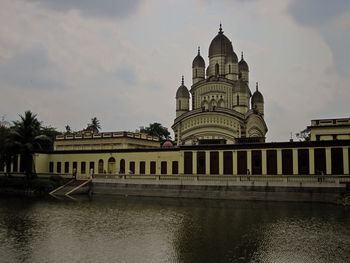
23 185
326 189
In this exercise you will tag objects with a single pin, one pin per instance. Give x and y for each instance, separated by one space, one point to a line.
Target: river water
130 229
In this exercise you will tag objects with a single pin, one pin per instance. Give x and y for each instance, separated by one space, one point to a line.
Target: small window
175 167
83 167
132 167
92 166
153 168
58 167
216 69
51 167
66 167
142 167
163 167
100 166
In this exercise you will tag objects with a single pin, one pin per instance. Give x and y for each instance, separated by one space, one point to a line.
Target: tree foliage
156 129
25 137
304 135
94 125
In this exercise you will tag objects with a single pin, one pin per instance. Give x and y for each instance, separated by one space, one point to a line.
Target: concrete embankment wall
248 190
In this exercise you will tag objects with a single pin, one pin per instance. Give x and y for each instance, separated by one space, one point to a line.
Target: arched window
229 68
122 166
179 104
195 75
100 166
111 165
216 69
237 99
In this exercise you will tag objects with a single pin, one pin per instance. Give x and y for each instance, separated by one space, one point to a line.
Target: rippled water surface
118 229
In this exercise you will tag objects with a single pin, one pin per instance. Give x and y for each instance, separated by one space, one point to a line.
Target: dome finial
182 80
242 55
220 29
199 51
257 86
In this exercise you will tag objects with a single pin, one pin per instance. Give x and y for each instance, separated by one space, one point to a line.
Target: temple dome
182 91
198 61
257 96
242 65
167 144
221 45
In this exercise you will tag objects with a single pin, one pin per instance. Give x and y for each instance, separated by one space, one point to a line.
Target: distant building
105 141
223 109
330 129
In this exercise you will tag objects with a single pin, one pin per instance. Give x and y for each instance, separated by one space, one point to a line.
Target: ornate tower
258 102
198 68
243 69
182 99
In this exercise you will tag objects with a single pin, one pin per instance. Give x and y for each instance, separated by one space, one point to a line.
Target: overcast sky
122 61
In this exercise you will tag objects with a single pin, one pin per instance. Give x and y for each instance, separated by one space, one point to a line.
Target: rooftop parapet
89 135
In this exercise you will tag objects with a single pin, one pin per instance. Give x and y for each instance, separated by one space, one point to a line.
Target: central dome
221 46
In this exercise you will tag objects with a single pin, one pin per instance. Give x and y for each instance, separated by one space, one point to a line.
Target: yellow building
105 141
330 129
223 109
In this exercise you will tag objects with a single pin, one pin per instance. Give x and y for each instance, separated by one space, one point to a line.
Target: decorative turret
231 67
198 68
241 97
182 99
258 101
243 69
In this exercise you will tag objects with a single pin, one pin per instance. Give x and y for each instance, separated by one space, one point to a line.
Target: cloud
30 69
100 8
317 12
331 20
128 75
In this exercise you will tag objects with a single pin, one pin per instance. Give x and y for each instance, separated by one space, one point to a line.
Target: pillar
312 161
279 161
264 162
328 161
207 162
249 160
194 162
346 160
234 156
181 163
295 161
221 162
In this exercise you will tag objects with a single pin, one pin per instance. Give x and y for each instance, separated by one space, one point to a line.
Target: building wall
330 133
288 158
105 143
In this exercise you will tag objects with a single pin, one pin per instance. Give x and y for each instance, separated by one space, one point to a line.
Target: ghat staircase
70 188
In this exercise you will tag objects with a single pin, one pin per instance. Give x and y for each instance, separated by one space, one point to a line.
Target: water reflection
118 229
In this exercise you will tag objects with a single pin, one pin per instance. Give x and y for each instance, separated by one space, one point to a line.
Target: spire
257 86
182 81
220 29
242 55
199 51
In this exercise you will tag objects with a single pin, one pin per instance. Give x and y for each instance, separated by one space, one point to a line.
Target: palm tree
26 138
95 125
